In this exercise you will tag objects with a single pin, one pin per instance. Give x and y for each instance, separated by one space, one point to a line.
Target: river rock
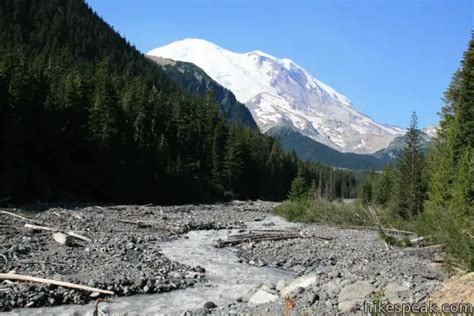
62 239
332 288
262 297
280 285
210 305
395 293
354 294
303 281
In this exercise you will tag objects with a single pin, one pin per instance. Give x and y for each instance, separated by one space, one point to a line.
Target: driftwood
144 224
19 217
264 235
386 230
68 233
19 277
141 224
38 227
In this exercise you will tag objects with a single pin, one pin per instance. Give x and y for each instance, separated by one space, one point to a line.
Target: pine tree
450 207
383 187
299 189
85 114
104 112
411 186
233 161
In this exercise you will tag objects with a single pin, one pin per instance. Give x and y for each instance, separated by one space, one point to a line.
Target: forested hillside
196 82
308 149
84 115
427 190
436 192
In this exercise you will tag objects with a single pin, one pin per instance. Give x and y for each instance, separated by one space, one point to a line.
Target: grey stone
303 281
262 297
359 290
210 305
395 293
280 285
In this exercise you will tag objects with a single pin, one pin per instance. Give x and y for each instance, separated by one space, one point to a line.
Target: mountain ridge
196 82
278 91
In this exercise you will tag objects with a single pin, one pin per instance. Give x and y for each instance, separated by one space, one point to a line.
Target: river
226 278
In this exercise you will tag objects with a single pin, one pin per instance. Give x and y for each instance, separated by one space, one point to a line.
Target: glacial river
226 278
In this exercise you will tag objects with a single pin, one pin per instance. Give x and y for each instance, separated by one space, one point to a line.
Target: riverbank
123 256
136 250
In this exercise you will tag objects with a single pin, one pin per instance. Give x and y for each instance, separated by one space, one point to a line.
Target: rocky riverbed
129 254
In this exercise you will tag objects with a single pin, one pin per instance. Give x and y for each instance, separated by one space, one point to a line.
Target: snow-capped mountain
279 92
431 130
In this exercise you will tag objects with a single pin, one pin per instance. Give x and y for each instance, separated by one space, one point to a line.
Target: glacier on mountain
278 91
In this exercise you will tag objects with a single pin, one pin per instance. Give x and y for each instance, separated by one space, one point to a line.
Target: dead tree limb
19 217
387 230
69 233
26 278
255 237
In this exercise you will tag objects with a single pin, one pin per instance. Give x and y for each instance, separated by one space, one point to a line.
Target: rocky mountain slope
396 146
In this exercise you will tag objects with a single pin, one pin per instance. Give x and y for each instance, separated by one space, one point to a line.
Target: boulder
395 293
262 297
210 305
332 288
347 306
354 294
303 281
280 285
62 239
359 291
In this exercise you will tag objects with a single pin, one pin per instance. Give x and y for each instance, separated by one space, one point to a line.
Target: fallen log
388 230
140 224
69 233
37 227
145 224
238 239
225 243
26 278
19 217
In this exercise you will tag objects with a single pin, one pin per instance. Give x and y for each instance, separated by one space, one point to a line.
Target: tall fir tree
411 181
299 189
450 205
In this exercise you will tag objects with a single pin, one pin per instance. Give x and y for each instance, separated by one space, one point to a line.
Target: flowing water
226 278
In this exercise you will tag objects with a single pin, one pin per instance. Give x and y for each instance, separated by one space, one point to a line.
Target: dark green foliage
84 115
311 150
299 189
410 180
394 241
435 195
196 82
396 147
450 206
401 187
383 186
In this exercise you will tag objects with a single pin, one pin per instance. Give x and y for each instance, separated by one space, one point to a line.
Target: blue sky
390 57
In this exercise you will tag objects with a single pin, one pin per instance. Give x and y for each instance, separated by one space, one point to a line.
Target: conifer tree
299 189
104 111
450 206
411 186
233 161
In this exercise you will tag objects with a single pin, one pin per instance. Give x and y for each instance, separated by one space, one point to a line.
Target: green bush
337 213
